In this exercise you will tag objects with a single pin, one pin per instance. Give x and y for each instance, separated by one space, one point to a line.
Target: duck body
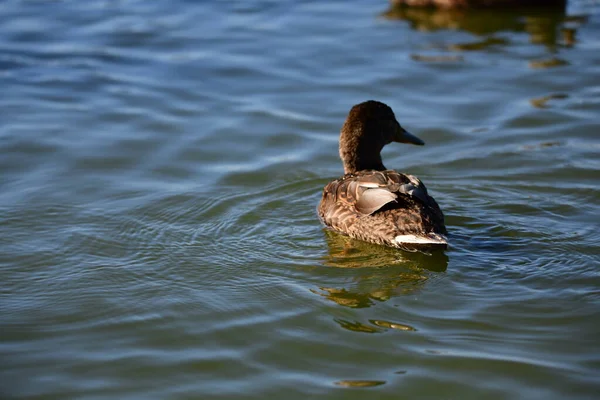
376 204
461 4
383 207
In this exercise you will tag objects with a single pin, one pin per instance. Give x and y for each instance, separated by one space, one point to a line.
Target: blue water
160 167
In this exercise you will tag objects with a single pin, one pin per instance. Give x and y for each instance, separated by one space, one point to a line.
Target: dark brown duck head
368 127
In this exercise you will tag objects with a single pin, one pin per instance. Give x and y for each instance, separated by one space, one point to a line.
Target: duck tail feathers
425 239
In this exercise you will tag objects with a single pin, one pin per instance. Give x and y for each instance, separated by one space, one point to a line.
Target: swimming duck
478 3
375 204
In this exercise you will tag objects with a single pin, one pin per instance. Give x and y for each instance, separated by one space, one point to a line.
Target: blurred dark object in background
479 3
548 26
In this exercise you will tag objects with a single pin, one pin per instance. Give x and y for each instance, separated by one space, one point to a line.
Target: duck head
368 127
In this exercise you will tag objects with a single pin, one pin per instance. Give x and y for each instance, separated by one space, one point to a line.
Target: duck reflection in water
382 272
546 25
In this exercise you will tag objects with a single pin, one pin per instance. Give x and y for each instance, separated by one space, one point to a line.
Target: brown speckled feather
373 203
378 206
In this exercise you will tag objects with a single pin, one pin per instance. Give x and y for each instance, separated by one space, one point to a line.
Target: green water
160 167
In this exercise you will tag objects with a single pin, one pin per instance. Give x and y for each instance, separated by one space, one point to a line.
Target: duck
375 204
462 4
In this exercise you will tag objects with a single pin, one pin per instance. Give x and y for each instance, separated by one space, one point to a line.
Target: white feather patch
414 180
368 184
431 238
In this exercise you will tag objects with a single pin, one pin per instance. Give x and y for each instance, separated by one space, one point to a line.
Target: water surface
161 163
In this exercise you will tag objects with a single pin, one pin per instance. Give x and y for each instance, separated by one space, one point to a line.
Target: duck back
383 207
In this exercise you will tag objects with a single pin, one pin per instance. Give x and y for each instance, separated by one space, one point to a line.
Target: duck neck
359 158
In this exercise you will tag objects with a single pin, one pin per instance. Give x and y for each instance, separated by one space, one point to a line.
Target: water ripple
157 213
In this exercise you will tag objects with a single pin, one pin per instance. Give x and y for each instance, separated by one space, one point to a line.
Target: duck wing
376 194
369 191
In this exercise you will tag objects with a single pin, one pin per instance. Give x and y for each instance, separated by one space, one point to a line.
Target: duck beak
402 136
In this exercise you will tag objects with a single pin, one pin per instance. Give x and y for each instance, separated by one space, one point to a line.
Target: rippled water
161 163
